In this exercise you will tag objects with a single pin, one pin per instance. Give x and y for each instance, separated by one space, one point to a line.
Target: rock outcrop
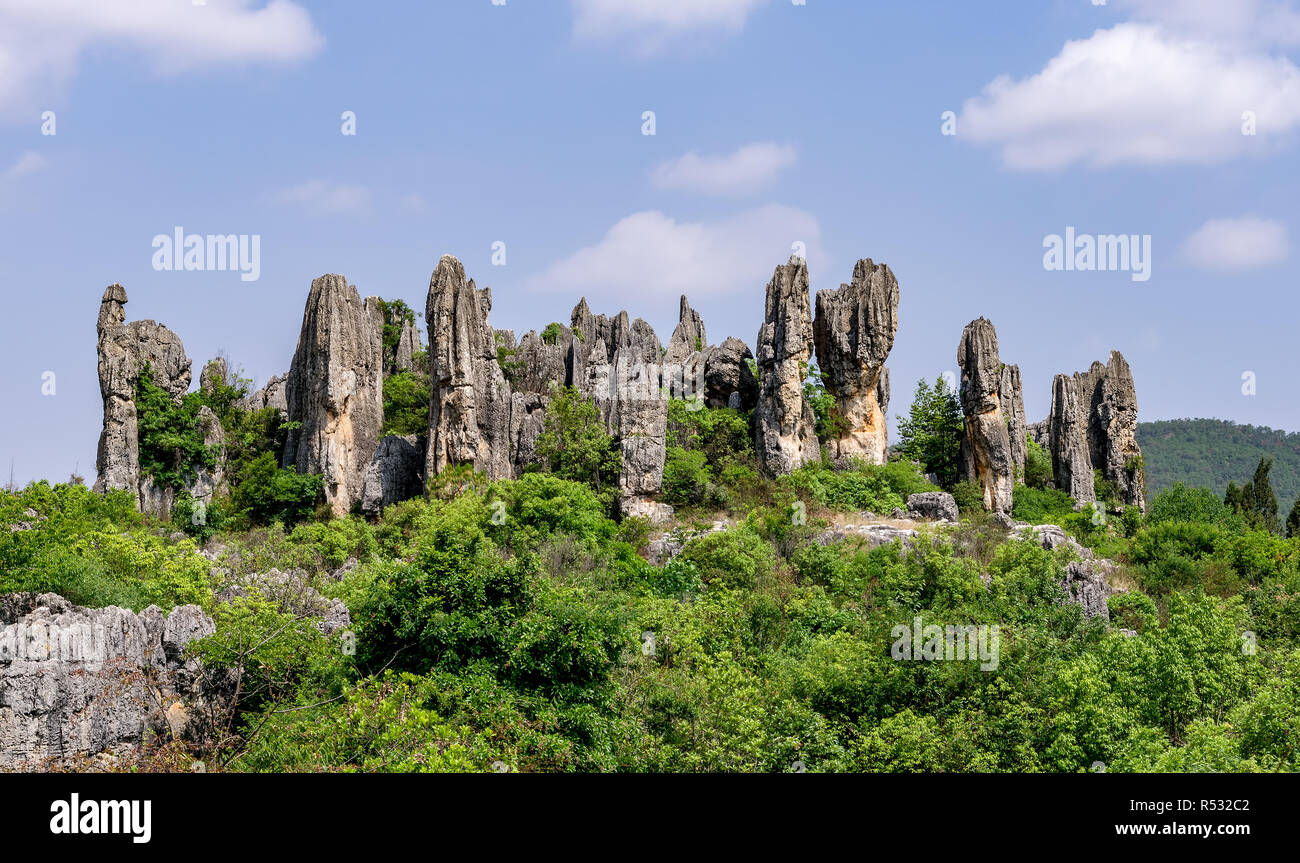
394 474
124 350
1011 398
854 330
784 421
985 444
932 506
729 381
408 345
272 395
335 390
77 681
1093 427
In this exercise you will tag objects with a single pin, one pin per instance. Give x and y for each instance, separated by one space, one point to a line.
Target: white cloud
745 170
28 163
1136 94
325 197
1242 243
651 254
41 41
1275 22
649 24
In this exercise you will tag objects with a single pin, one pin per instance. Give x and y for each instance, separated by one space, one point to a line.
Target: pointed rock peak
115 293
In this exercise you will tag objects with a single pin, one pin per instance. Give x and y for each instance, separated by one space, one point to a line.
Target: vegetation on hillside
514 625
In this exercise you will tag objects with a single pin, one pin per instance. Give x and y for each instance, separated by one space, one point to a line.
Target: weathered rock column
1011 398
784 421
854 332
986 444
469 419
1093 427
124 350
335 390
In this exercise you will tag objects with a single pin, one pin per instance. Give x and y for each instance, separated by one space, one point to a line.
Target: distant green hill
1212 452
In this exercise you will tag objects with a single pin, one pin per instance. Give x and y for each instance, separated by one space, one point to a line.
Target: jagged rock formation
1011 398
77 681
729 382
1093 427
469 420
335 390
986 444
394 473
621 372
784 421
272 395
854 330
124 350
408 345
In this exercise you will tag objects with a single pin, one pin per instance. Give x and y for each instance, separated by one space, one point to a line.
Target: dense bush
574 445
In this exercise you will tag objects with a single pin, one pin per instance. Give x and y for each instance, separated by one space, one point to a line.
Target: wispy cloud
1243 243
745 170
652 254
28 163
41 43
325 197
649 25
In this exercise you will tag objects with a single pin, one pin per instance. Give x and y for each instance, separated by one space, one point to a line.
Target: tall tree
1293 521
931 433
1259 503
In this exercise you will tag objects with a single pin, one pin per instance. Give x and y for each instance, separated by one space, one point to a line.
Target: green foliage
931 433
397 316
1038 465
406 404
171 444
968 495
737 558
687 476
864 487
1211 453
551 334
200 521
574 445
1183 503
722 434
828 422
266 492
1041 505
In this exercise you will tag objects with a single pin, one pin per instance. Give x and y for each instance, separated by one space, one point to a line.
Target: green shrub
686 476
406 404
267 493
1041 505
863 487
1038 465
574 445
734 558
968 495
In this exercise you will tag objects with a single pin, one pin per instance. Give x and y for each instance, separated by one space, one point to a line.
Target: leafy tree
829 424
170 442
574 445
1256 501
1293 521
931 433
406 404
1038 465
267 493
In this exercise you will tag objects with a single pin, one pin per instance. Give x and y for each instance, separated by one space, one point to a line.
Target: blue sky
775 123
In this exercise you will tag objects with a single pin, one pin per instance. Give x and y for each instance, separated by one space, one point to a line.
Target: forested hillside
1212 453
